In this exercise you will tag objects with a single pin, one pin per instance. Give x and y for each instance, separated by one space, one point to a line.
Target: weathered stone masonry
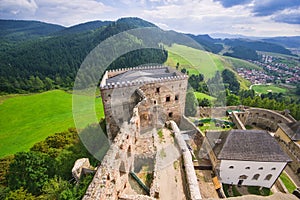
163 87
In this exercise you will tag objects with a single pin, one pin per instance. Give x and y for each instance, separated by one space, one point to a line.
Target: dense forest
242 52
44 172
208 43
51 62
257 45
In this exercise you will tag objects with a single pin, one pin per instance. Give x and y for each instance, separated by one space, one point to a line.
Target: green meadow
198 61
27 119
200 95
263 89
194 60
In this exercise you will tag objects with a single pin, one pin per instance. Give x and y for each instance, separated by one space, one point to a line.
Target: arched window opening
255 177
243 177
268 177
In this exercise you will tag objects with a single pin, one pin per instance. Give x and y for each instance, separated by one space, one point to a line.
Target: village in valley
273 71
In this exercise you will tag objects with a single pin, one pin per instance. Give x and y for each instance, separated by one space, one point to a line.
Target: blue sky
246 17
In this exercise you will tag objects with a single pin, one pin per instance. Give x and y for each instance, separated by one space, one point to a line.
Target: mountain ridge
55 53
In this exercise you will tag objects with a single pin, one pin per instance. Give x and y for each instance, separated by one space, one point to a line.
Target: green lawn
25 120
200 95
194 60
287 182
268 88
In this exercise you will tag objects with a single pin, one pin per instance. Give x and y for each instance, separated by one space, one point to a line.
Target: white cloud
206 16
17 8
71 12
190 16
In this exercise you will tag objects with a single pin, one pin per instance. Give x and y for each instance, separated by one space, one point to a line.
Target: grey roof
250 145
291 129
142 75
216 140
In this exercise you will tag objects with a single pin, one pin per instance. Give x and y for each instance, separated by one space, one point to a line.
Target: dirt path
169 173
206 185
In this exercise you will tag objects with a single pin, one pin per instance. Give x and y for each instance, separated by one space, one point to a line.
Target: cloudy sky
246 17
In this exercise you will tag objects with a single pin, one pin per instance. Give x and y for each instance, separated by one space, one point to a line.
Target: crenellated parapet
142 82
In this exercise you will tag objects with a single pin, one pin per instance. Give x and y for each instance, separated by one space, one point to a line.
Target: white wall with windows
250 172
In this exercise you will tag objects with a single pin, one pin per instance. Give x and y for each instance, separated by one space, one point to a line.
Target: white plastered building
247 157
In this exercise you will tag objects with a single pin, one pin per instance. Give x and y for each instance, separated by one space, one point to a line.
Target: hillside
28 119
19 30
79 28
52 61
194 60
257 45
36 56
198 61
288 42
210 44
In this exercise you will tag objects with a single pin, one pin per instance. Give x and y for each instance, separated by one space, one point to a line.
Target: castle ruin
137 104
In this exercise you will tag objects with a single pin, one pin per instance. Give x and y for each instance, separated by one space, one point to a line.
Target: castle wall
236 120
265 119
192 182
165 100
111 178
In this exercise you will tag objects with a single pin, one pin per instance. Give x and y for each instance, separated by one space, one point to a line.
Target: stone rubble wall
111 177
192 182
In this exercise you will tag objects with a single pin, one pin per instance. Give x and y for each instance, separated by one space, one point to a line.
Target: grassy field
268 88
287 182
194 60
200 95
27 119
198 61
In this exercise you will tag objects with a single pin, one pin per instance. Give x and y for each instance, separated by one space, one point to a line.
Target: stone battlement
174 76
141 82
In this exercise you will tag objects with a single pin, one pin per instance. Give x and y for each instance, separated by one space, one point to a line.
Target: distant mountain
84 27
288 42
240 46
209 44
257 45
229 36
36 56
18 30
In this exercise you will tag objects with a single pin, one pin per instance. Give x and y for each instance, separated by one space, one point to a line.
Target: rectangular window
170 114
176 97
168 98
157 90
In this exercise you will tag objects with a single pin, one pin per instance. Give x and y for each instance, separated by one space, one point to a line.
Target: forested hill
52 60
257 45
242 48
79 28
19 30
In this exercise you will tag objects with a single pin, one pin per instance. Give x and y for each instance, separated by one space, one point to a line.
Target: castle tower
158 91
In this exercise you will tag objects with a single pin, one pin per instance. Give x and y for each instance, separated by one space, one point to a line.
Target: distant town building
246 157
